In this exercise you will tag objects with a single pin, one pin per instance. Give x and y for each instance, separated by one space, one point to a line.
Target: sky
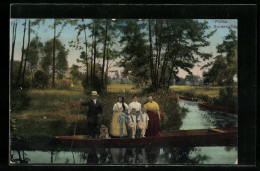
68 34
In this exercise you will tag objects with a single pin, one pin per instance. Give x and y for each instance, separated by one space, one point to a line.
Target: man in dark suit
94 111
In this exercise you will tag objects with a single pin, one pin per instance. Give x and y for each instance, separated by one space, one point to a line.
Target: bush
92 86
19 99
227 97
63 84
40 80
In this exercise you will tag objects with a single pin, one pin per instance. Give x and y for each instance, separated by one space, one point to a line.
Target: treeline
151 51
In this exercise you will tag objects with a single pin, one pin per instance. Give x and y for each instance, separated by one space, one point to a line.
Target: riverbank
54 112
210 97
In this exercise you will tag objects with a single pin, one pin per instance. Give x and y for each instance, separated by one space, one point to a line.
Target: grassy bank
54 112
214 95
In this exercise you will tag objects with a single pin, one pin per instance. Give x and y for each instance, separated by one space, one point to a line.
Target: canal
48 151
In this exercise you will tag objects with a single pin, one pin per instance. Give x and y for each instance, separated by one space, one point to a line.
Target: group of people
133 120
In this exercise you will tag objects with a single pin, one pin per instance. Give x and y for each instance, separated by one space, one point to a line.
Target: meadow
53 112
214 95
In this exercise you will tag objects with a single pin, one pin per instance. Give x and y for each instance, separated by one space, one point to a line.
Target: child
132 123
142 121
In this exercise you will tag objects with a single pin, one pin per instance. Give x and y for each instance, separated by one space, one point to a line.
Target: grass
208 94
119 88
198 90
53 112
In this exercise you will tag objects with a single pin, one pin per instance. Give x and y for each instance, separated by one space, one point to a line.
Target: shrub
63 84
227 97
90 86
19 99
40 80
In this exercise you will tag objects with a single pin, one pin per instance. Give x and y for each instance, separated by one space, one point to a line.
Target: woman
154 116
118 126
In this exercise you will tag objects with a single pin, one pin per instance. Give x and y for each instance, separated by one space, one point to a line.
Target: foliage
75 73
19 99
60 60
63 84
219 96
40 80
227 97
135 52
177 45
53 112
224 68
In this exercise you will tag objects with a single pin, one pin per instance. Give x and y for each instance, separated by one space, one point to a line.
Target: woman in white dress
118 126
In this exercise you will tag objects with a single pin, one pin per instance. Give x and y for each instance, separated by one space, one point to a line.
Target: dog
104 132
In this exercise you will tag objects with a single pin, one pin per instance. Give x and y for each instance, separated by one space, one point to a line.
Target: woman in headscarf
154 116
118 124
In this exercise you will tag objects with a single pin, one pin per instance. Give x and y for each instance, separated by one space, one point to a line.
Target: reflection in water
138 155
117 155
152 154
200 118
92 157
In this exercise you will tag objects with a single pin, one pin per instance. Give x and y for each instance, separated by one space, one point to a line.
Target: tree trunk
169 81
104 55
13 46
53 58
21 64
91 60
157 52
106 82
162 78
27 50
86 54
151 53
95 53
159 56
171 71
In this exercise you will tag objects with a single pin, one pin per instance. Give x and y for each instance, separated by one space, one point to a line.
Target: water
195 118
199 118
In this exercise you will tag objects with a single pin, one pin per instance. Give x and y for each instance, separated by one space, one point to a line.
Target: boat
216 108
199 137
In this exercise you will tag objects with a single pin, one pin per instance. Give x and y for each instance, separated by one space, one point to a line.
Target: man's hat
94 93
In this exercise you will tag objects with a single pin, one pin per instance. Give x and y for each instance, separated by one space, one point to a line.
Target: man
94 111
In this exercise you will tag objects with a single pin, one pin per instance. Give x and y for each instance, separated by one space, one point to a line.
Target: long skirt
115 126
153 124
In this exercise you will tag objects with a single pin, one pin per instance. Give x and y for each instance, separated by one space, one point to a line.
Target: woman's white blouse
135 105
119 108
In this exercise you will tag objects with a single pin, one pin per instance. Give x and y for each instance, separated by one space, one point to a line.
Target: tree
135 52
178 42
56 22
62 62
104 53
33 54
76 74
13 46
81 27
224 68
185 39
21 64
60 59
31 23
28 46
